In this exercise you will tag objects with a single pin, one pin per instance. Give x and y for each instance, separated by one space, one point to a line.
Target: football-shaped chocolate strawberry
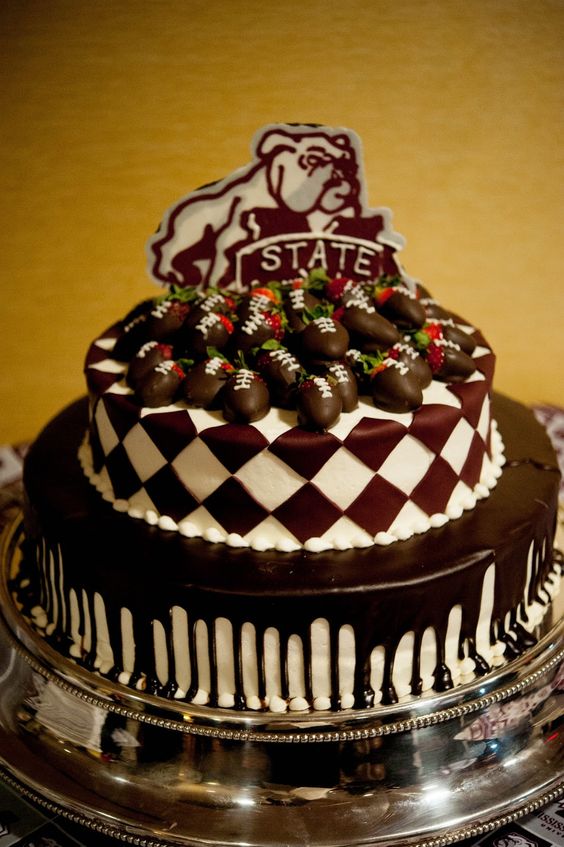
166 319
400 305
324 339
448 362
319 403
395 388
408 355
159 387
133 332
147 357
458 335
296 302
204 383
281 369
245 397
370 330
346 384
212 330
258 328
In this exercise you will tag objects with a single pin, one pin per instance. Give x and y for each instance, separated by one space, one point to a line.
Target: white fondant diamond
199 469
270 480
410 519
343 477
106 432
106 344
455 451
437 392
484 422
275 423
109 366
143 453
344 534
271 534
407 464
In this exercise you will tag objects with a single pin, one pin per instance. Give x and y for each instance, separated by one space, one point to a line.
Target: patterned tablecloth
23 825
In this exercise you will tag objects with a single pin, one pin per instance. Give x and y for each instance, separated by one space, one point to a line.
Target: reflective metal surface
153 772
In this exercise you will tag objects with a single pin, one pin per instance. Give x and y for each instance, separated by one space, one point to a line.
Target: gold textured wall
113 110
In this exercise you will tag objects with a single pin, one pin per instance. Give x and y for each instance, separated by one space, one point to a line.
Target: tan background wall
113 110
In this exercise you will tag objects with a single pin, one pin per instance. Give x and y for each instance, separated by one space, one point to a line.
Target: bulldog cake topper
299 204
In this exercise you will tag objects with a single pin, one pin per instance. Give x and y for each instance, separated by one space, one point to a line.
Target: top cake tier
323 412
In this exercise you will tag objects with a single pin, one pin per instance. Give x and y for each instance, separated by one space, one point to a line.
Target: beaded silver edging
190 725
448 838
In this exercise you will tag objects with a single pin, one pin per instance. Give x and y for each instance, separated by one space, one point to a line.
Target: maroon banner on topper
299 204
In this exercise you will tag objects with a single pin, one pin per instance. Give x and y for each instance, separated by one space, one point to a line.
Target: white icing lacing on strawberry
206 323
165 367
297 298
444 342
360 303
243 380
211 302
285 358
212 366
325 325
129 326
339 372
252 324
142 352
323 386
406 348
393 363
161 309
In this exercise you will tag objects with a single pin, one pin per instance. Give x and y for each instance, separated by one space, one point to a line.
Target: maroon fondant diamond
125 480
169 495
307 513
433 425
234 444
471 470
472 395
305 452
123 412
170 431
99 381
98 456
373 440
234 508
375 509
486 365
433 492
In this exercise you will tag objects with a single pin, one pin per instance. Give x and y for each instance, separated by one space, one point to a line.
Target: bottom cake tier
236 628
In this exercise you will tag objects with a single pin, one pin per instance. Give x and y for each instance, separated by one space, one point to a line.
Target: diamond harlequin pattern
373 471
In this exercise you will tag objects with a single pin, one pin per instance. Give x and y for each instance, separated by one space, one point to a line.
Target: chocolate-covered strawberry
407 354
342 290
400 305
147 357
166 319
205 382
453 332
346 384
281 370
160 385
258 300
297 302
324 340
319 403
245 397
370 331
256 329
212 330
448 362
395 388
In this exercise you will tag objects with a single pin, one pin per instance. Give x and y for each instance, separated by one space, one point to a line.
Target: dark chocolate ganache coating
382 592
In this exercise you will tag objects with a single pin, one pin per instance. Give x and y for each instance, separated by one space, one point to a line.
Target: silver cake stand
152 772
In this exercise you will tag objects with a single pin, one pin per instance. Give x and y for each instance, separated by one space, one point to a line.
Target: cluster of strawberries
313 344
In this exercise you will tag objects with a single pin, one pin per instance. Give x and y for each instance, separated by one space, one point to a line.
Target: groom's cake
290 486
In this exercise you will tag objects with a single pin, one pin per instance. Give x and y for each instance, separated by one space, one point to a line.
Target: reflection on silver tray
152 772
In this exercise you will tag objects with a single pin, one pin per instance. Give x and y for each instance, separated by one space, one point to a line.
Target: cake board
152 772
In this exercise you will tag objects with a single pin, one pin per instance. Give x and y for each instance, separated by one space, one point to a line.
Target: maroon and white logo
299 204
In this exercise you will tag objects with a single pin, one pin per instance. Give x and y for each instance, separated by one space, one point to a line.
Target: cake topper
300 203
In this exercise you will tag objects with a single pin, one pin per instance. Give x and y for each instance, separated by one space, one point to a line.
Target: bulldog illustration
303 180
